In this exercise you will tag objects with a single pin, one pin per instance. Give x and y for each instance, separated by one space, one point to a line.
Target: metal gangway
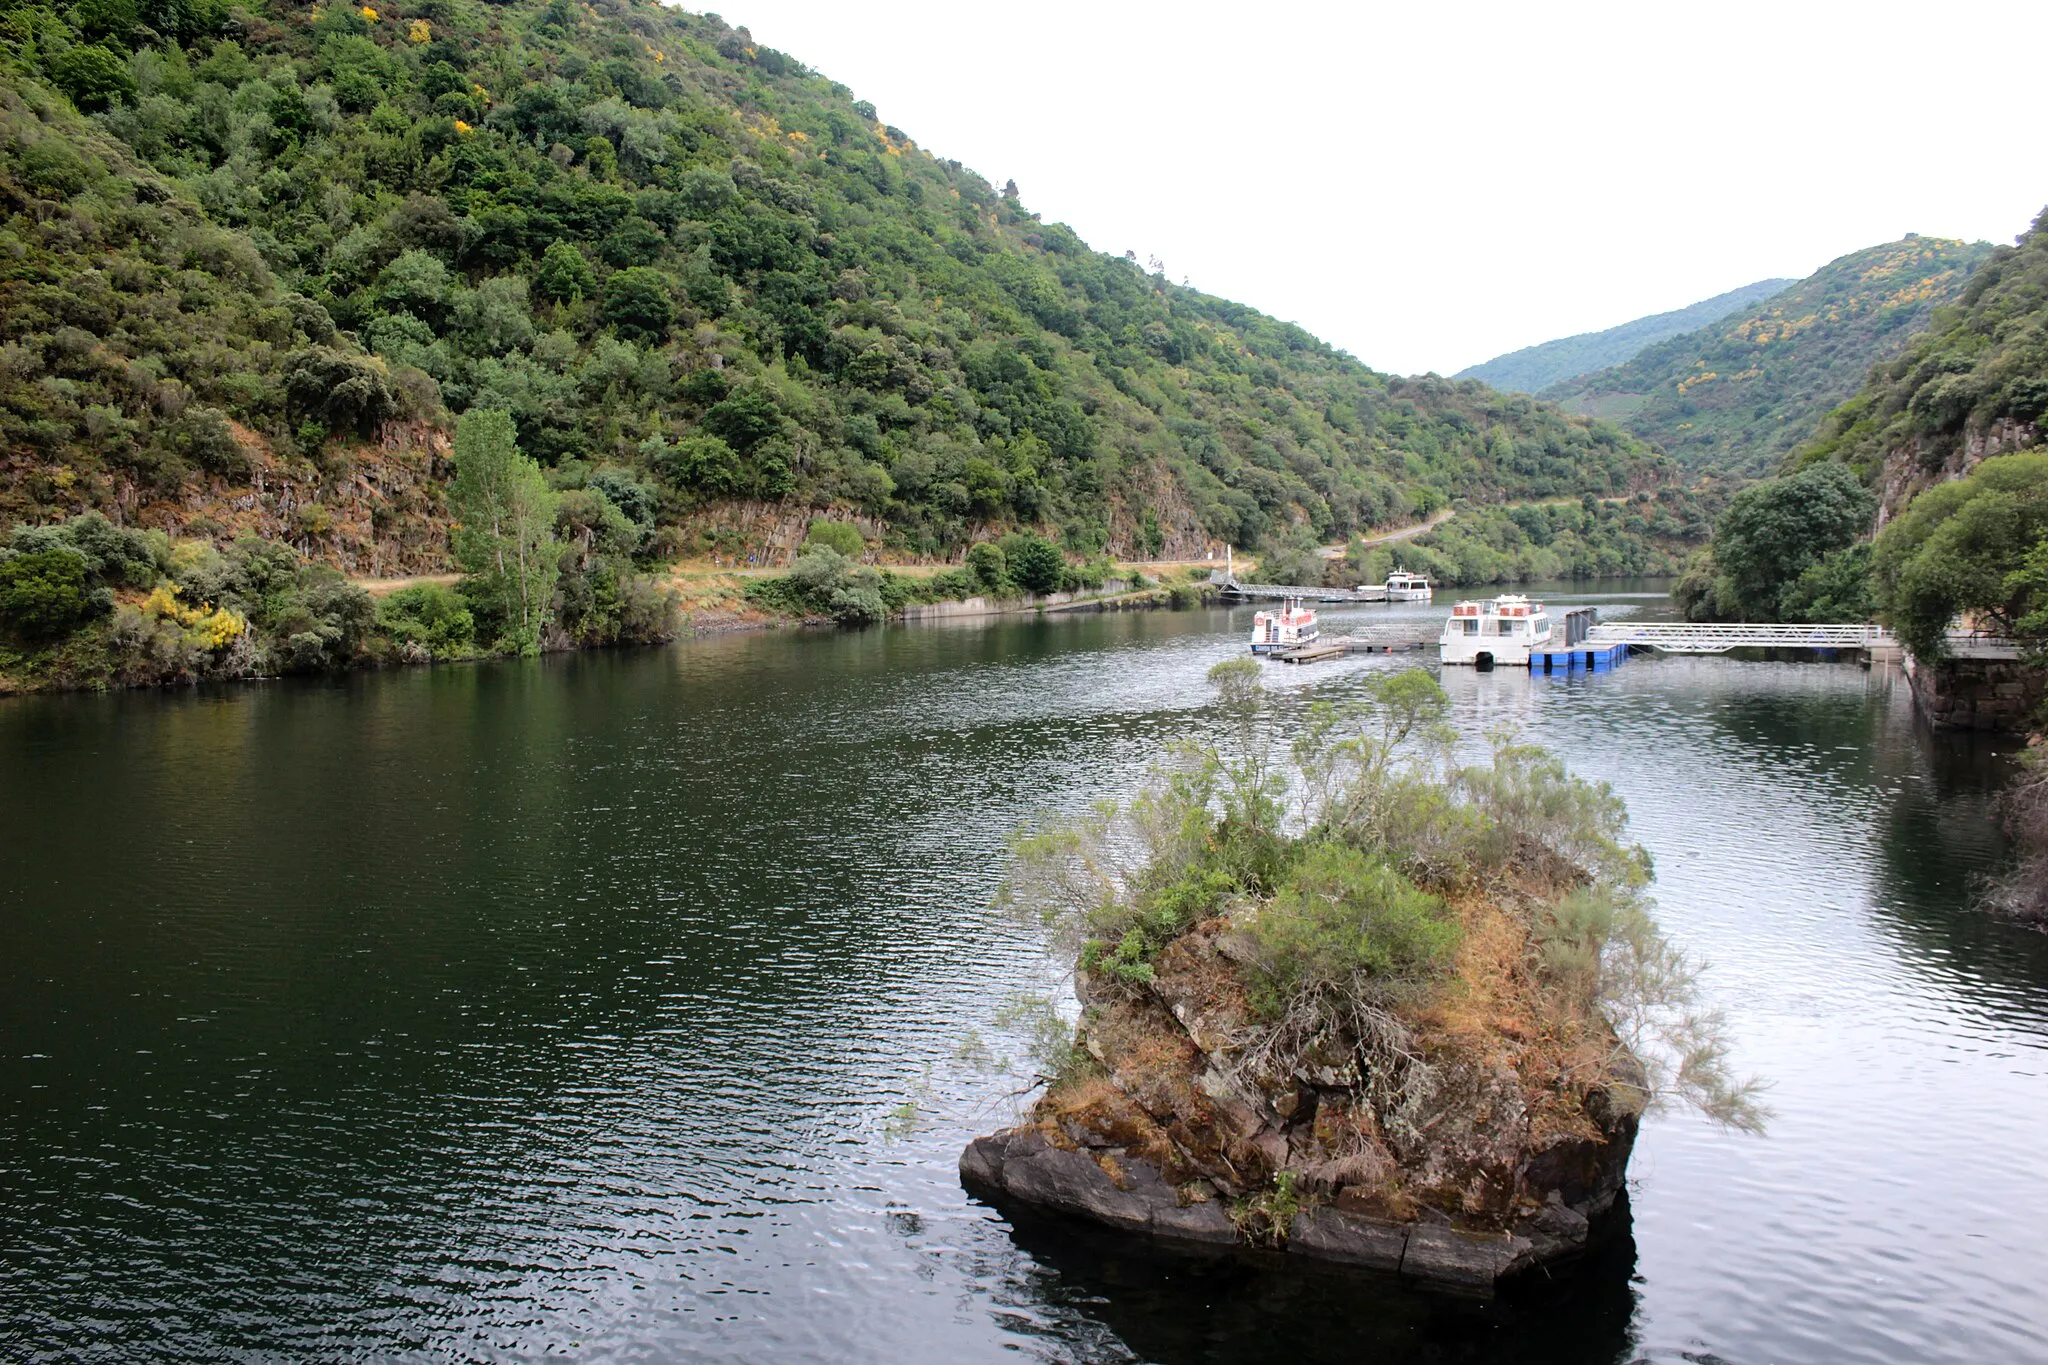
1674 637
1232 588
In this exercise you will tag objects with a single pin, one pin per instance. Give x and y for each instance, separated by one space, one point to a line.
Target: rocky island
1381 1010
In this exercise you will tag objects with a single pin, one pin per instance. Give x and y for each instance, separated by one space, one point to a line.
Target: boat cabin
1403 586
1505 630
1290 627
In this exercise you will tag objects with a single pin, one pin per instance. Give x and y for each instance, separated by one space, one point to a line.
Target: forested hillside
1974 384
1737 396
248 288
1960 535
1535 368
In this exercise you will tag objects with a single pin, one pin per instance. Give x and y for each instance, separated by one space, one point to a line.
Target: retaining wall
1976 694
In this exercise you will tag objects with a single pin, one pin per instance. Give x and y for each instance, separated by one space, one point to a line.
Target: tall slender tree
505 526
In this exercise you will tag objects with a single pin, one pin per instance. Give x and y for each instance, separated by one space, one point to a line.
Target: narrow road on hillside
1389 537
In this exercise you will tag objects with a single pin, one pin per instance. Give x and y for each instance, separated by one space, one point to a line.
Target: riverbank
325 623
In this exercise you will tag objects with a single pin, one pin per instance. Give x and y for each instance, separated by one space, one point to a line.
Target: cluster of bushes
86 602
665 250
826 579
1787 549
1341 866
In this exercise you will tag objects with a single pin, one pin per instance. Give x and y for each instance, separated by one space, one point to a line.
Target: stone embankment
2002 694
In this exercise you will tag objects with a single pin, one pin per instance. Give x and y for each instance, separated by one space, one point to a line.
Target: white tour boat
1503 631
1286 628
1403 586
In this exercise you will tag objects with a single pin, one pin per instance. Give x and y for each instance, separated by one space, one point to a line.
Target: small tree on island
504 527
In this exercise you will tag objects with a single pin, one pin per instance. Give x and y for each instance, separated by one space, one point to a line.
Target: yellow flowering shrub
419 31
215 628
368 13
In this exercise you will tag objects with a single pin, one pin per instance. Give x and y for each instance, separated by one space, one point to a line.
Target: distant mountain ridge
1534 368
1738 395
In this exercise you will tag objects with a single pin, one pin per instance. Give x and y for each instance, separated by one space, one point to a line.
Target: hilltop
257 259
1737 396
1972 385
1535 368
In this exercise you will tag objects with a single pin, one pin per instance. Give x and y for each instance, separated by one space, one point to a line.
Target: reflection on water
575 1006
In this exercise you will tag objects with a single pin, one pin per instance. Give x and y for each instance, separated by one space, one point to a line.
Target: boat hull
1499 651
1282 646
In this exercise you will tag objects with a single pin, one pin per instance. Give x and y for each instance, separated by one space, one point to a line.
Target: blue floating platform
1580 658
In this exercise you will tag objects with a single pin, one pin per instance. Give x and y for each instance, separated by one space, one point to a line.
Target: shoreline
712 622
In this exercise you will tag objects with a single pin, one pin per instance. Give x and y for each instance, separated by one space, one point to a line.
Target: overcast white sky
1428 185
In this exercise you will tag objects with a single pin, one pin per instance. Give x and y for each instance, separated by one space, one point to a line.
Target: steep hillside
1974 384
1737 396
250 286
1535 368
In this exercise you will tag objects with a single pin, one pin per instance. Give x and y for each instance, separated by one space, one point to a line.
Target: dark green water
571 1008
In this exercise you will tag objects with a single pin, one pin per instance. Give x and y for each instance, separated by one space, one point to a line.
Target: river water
635 1005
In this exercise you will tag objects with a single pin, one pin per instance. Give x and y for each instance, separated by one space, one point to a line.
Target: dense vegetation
1649 533
1980 369
1737 396
694 273
1974 550
1535 368
1788 549
826 580
87 603
1652 532
1369 880
1961 540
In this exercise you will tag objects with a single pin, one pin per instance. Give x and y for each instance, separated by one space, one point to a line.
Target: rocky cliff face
1922 464
1469 1140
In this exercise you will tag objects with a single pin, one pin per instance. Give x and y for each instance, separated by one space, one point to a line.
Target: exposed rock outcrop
1924 463
1489 1136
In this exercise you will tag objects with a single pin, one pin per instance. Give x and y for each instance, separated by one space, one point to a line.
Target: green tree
637 306
1034 563
1290 559
564 276
505 520
745 419
837 535
989 565
1774 531
1965 549
704 463
94 76
47 593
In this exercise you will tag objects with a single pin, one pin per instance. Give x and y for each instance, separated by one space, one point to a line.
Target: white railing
1674 637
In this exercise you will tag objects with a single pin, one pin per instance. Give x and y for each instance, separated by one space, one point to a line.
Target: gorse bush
1346 924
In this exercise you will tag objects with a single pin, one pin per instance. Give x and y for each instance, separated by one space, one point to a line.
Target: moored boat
1505 630
1291 626
1403 586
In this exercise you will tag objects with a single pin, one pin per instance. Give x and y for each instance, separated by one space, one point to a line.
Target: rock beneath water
1021 1164
1128 1193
